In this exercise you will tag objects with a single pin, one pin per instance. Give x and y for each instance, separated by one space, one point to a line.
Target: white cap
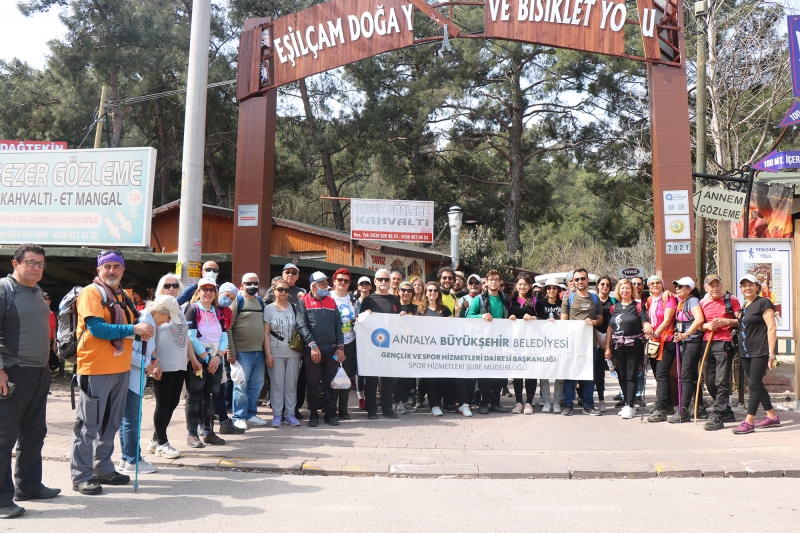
205 282
751 278
686 280
362 279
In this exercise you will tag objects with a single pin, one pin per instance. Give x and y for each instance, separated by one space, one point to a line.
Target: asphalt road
196 500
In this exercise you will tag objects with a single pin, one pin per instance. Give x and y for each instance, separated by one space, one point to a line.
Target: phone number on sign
426 237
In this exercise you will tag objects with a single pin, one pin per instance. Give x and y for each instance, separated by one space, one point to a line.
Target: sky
26 37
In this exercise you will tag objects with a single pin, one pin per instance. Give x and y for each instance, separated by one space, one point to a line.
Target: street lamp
454 217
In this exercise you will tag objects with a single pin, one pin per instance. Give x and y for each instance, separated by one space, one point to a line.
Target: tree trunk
513 242
338 218
221 194
163 170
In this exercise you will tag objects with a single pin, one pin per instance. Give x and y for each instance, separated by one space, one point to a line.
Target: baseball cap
362 279
686 281
317 276
751 278
712 277
475 277
292 266
228 287
205 282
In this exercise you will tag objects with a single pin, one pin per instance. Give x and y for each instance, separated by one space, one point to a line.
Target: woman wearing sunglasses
209 338
606 301
689 320
364 288
549 308
404 386
283 363
661 307
523 306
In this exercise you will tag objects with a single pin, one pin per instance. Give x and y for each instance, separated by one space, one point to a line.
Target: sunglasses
447 278
250 283
291 272
474 282
342 280
551 288
209 269
580 279
604 284
364 284
281 289
171 286
208 289
681 286
381 279
432 290
109 252
406 290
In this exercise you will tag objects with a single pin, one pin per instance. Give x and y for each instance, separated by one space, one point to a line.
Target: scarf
117 313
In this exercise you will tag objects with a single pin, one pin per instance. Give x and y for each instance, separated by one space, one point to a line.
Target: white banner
427 347
391 220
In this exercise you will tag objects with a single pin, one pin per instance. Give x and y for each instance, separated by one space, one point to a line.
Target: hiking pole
139 426
700 377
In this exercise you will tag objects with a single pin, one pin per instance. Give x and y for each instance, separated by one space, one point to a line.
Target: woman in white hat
549 308
756 350
689 320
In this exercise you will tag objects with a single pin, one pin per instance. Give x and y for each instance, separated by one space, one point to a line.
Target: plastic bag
237 374
341 381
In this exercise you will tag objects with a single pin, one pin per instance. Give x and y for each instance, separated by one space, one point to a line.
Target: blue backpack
595 299
240 304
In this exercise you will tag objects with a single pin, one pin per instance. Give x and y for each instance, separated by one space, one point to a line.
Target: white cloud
26 38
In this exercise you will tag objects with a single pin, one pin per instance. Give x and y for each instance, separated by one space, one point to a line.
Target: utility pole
700 11
190 224
101 119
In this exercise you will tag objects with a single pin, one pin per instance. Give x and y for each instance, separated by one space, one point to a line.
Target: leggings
530 389
663 387
202 397
628 359
756 369
167 391
600 374
691 353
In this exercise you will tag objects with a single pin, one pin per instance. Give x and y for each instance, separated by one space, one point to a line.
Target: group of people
221 343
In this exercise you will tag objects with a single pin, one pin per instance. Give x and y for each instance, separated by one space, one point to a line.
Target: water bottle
550 315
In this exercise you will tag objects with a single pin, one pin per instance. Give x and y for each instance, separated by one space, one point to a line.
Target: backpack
484 300
638 308
596 301
240 304
66 333
10 294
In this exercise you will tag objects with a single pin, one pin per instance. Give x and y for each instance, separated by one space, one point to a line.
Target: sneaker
297 414
277 420
44 494
769 423
372 416
167 451
556 408
464 410
620 404
602 406
11 510
714 423
546 408
528 409
194 441
657 416
618 397
483 409
592 411
627 412
241 424
114 478
144 468
390 414
151 446
344 415
702 414
313 420
120 466
507 393
499 409
292 420
518 409
743 428
88 488
228 427
409 407
212 439
450 408
330 419
728 416
671 410
567 411
256 420
435 411
362 404
400 409
420 404
679 417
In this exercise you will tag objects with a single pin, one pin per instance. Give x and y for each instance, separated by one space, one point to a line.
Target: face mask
224 301
322 293
252 291
211 275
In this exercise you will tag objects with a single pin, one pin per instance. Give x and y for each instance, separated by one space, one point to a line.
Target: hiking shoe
592 411
212 439
602 406
144 468
679 417
194 441
390 415
618 397
400 409
436 411
240 424
372 416
330 419
528 409
167 451
769 423
313 420
499 409
728 416
483 409
657 416
627 412
151 447
114 478
344 415
292 420
44 494
464 410
743 428
702 414
450 408
567 411
11 510
546 408
556 408
256 420
714 423
277 420
518 409
88 488
670 410
229 427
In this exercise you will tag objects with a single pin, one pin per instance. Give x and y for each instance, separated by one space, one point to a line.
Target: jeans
129 430
587 388
245 399
23 417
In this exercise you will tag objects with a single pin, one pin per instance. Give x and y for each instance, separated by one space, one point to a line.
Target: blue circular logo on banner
380 338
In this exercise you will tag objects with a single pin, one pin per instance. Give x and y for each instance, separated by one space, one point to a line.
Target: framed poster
770 260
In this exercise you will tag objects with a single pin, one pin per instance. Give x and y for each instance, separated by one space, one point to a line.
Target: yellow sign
194 270
178 269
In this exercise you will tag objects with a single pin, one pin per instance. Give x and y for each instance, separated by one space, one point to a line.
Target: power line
154 96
